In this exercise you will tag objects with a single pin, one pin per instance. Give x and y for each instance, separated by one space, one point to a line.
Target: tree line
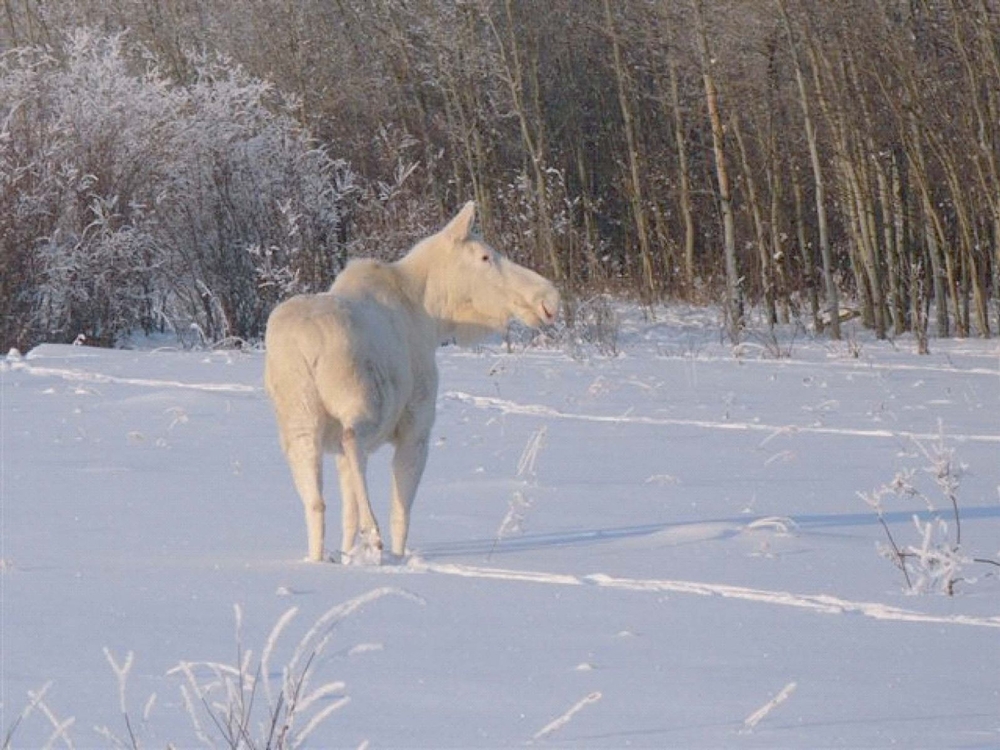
811 159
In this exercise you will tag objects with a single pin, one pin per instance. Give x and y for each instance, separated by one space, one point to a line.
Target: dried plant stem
900 555
757 716
565 718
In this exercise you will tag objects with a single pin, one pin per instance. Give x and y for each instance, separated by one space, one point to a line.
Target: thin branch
900 555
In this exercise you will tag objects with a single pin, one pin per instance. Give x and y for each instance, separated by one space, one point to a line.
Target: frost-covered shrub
936 562
389 215
128 202
32 187
521 227
592 322
251 207
79 158
97 283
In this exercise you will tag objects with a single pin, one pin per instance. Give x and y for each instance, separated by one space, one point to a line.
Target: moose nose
550 305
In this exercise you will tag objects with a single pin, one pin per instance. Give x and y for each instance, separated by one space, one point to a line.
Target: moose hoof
320 559
363 554
371 539
391 558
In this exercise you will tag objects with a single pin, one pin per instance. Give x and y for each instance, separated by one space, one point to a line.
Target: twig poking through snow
513 522
517 506
121 672
265 656
225 693
148 708
757 716
59 727
563 720
529 456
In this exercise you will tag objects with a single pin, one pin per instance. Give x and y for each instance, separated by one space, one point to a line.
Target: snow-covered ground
665 548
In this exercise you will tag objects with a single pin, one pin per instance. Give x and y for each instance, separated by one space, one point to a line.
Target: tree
734 281
135 204
853 146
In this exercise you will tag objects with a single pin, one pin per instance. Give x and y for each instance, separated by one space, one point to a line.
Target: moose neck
426 294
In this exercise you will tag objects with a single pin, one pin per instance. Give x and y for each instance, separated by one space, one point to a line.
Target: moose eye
485 258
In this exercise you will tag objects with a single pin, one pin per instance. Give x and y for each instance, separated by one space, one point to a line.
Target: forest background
182 165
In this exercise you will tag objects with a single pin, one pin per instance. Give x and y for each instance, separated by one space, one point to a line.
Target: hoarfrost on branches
936 562
130 203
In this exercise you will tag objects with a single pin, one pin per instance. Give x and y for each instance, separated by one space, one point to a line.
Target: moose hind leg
348 504
407 468
305 460
355 485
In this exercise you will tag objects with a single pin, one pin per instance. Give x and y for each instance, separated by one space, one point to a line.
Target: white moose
354 368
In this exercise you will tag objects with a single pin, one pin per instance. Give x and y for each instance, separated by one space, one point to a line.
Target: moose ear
461 226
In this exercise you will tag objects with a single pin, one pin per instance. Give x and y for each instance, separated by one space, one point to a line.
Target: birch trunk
826 254
635 192
734 283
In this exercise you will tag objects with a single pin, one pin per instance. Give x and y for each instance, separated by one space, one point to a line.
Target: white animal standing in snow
354 368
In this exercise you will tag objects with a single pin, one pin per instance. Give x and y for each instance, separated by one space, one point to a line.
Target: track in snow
86 376
540 410
819 603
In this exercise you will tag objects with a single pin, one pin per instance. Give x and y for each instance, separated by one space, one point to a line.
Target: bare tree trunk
986 26
808 265
853 145
918 300
894 292
778 255
636 201
897 304
971 279
901 227
532 137
462 107
826 254
687 212
766 276
931 235
982 152
591 239
734 282
863 223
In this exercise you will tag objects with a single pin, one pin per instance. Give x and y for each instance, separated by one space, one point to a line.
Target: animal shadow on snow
688 532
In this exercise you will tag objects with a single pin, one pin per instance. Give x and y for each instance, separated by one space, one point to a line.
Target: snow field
644 551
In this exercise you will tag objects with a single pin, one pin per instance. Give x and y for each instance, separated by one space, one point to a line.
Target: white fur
354 368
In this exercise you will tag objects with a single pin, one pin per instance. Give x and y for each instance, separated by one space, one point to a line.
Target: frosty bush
128 202
244 705
936 561
593 322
